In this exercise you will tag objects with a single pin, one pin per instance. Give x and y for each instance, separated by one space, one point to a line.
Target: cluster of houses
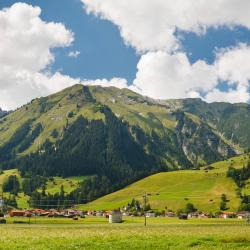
224 215
115 216
46 213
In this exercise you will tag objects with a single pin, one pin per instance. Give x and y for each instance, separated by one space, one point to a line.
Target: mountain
118 135
231 120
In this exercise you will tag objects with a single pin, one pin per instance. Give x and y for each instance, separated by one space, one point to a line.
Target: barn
16 213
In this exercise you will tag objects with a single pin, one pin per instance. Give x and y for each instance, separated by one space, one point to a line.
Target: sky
160 48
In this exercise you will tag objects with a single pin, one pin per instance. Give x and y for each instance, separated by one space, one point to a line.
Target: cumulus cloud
29 85
164 76
233 64
150 25
114 82
240 94
161 75
74 54
25 56
25 53
164 70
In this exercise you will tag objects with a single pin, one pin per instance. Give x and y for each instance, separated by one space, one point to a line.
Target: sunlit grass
96 233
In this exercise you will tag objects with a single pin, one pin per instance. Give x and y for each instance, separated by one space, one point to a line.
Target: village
117 216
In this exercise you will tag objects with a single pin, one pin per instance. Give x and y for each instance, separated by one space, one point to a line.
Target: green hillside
173 123
53 186
116 136
174 190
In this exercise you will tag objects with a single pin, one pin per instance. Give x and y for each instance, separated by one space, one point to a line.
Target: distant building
115 216
99 213
16 213
227 215
243 215
150 214
170 214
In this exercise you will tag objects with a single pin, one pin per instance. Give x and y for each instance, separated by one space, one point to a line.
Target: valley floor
96 233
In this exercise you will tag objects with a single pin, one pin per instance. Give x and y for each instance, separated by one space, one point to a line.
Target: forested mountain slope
117 134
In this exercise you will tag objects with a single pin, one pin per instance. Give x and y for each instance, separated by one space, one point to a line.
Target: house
227 215
170 214
150 214
243 215
193 215
17 213
99 213
203 215
115 216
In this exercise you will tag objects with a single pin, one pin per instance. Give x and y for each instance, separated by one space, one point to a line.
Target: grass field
175 189
96 233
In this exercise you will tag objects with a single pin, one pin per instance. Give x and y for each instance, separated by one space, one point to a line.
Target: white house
150 214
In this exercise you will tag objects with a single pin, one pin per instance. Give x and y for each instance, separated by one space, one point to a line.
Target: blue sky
103 53
111 47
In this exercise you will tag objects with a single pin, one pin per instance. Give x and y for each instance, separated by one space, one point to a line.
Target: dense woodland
90 147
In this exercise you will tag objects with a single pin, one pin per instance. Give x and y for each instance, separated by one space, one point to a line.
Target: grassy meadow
96 233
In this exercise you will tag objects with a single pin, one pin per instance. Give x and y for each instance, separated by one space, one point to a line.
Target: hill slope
173 190
165 130
53 185
231 120
115 134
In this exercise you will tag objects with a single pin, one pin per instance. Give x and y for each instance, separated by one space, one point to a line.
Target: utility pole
145 203
2 201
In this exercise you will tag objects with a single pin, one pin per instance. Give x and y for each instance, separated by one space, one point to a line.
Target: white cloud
25 56
150 24
31 85
233 64
163 70
74 54
25 53
114 82
241 94
164 76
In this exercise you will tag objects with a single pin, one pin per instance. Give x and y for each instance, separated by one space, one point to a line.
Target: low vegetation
95 233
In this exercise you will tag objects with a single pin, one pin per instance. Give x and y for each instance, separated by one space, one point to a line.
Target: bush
190 208
3 221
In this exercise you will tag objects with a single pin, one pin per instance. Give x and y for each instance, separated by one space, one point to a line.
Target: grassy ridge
174 189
